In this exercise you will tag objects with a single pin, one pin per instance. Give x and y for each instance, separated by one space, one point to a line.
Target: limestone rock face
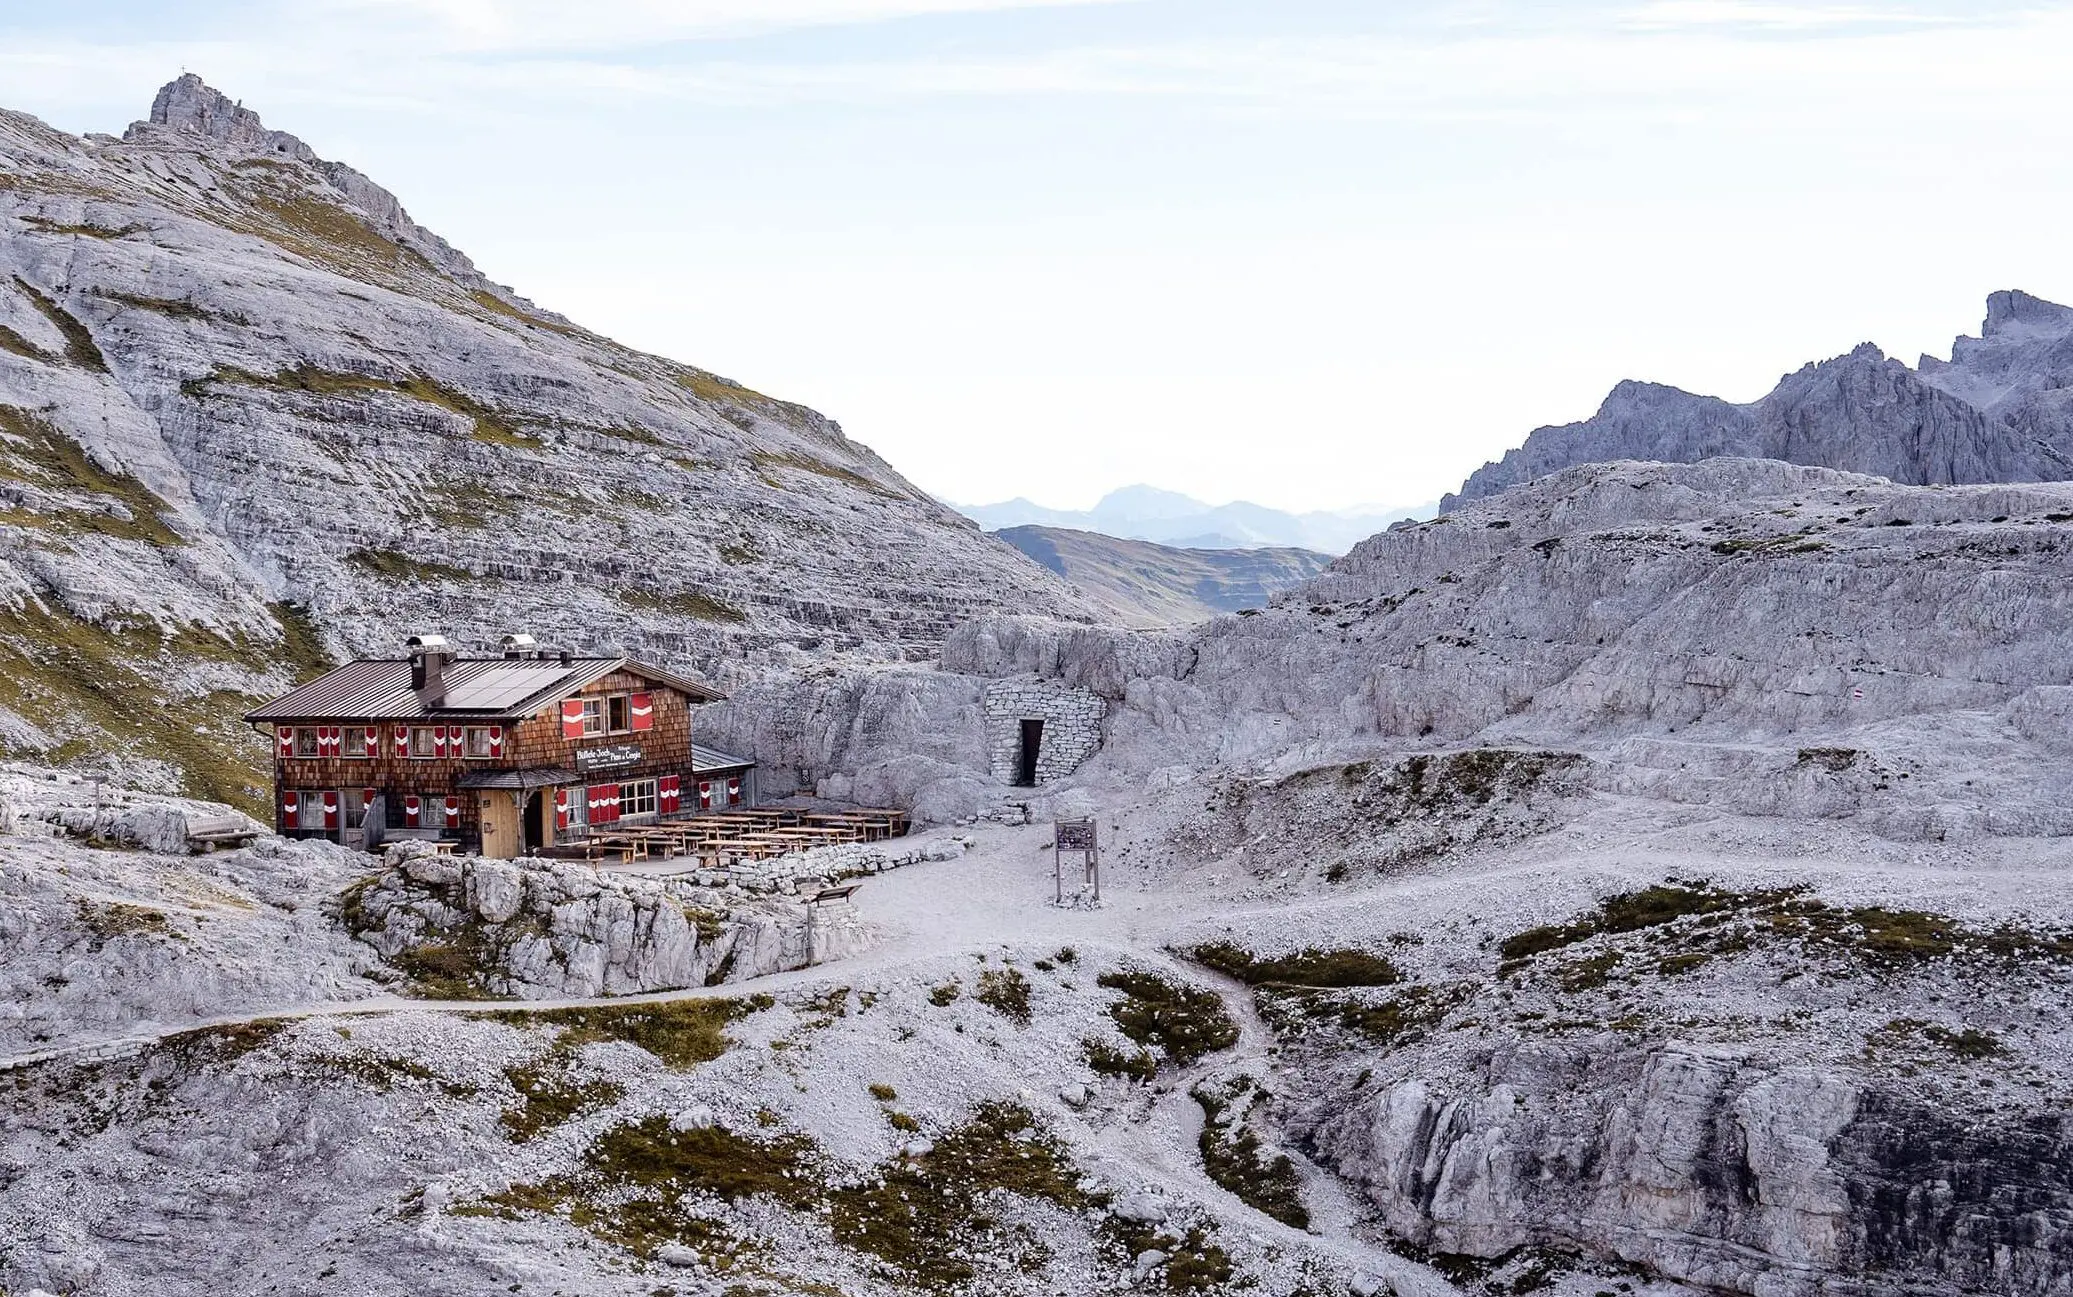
1997 411
1704 1165
249 409
546 930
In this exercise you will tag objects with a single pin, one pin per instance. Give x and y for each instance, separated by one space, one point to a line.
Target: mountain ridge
2000 410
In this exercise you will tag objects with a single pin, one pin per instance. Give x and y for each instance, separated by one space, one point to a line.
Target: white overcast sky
1304 252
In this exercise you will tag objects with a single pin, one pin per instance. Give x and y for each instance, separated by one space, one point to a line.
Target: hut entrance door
535 821
499 812
1032 742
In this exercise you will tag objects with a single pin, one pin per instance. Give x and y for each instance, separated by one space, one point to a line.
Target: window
352 743
479 742
426 742
619 717
306 742
637 798
594 716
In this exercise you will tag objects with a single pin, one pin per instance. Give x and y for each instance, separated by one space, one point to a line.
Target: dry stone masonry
1071 720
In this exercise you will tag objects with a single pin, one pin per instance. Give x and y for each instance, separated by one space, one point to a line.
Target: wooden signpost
1077 836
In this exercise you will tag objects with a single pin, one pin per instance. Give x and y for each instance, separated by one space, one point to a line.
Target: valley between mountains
1648 876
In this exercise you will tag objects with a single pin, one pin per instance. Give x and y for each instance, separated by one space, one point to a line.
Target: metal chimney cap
428 644
519 640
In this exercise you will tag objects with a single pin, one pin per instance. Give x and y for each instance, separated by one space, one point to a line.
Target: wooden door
501 836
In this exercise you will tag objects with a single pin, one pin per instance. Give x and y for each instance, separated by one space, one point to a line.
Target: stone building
1039 730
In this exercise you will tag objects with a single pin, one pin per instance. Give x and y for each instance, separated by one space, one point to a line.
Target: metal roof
476 688
705 759
520 780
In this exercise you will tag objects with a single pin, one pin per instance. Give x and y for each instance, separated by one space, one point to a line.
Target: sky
1310 253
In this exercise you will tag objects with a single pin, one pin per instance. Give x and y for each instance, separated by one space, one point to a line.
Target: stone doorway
1032 745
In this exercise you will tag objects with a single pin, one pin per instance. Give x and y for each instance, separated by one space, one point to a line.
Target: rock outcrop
1997 411
558 931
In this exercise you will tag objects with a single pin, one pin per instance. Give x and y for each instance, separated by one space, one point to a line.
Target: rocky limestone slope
1998 410
1780 639
1138 583
251 413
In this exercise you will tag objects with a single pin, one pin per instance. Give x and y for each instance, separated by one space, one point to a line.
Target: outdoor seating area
724 838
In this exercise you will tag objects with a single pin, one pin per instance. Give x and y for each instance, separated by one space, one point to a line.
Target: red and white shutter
367 796
413 811
402 740
496 740
669 794
438 741
453 812
370 742
331 809
561 809
286 734
290 819
642 708
734 790
705 794
572 718
456 741
604 803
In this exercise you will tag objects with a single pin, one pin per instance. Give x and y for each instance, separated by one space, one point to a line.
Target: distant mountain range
1140 583
1170 518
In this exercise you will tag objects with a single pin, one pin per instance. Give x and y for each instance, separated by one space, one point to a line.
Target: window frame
637 793
431 745
352 743
594 711
469 735
307 745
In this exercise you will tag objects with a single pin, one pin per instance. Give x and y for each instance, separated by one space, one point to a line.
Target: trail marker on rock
1082 837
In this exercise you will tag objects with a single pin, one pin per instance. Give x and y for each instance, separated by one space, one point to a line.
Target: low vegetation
1308 969
1006 992
1233 1156
1183 1022
682 1033
681 603
1698 922
80 349
395 565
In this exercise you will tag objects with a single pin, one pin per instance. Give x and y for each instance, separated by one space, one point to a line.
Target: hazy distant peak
1163 517
2012 308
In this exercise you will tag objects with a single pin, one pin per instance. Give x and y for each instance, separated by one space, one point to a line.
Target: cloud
512 26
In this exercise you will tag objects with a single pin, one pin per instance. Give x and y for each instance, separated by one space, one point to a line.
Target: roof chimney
429 656
518 644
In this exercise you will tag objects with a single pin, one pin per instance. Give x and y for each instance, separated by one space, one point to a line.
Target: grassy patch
40 455
548 1096
1233 1156
681 603
488 424
764 461
83 683
1691 923
1182 1022
219 1046
107 920
1006 992
930 1217
79 342
682 1033
395 565
495 305
1311 968
13 342
1135 1065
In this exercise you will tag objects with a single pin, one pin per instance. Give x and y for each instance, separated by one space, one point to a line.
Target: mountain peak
192 106
2012 307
